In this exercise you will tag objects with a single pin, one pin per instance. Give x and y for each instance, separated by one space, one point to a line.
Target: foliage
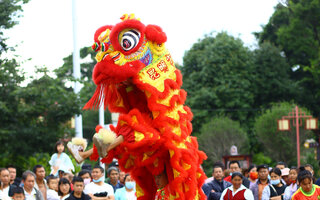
9 11
295 29
90 118
10 78
260 158
24 163
65 72
278 19
280 145
36 159
271 80
216 138
44 107
217 78
312 160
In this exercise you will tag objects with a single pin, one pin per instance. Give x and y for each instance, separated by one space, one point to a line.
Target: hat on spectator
285 172
264 166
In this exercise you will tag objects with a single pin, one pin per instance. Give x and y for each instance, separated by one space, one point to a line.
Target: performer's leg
77 150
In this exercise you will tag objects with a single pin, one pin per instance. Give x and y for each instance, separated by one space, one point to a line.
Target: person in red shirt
236 191
307 190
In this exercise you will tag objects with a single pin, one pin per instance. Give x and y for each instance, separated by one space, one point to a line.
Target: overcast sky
44 33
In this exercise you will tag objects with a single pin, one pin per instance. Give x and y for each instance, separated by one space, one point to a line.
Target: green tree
45 106
216 138
10 78
272 82
279 18
9 12
217 76
37 116
280 145
65 73
295 29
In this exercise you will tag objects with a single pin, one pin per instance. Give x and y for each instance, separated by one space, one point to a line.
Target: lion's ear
155 34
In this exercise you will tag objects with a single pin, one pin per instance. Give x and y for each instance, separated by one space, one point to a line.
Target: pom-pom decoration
95 46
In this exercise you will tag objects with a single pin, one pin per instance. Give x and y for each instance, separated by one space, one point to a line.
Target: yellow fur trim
161 69
107 136
80 141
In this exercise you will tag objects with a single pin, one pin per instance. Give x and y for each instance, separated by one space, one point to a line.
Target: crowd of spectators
261 182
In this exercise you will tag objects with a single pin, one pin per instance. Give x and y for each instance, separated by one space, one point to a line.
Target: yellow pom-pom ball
80 142
107 136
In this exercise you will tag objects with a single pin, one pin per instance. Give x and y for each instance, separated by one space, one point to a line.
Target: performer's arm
124 134
116 143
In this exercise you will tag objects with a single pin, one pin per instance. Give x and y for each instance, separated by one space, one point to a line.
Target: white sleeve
52 195
52 160
266 193
286 194
248 195
87 189
223 193
110 190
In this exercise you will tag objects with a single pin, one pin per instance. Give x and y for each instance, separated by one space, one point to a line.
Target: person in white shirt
52 192
98 189
5 183
31 193
237 190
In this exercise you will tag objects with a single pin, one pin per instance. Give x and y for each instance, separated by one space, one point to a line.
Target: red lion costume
136 77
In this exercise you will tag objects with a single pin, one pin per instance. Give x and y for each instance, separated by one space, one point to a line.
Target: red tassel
94 102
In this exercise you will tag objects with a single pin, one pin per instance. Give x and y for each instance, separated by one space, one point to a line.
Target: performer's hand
55 168
213 191
115 143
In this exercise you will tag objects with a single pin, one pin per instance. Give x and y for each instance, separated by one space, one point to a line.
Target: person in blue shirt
128 192
214 188
60 160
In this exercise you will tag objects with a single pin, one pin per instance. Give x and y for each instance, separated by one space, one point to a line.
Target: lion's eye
130 39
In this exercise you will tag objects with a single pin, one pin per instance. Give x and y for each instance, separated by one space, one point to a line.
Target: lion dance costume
136 77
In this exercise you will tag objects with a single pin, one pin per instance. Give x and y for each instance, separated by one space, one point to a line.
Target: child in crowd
292 188
52 192
64 188
18 193
307 190
60 160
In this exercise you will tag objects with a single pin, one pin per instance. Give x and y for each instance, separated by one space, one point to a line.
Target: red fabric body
238 196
